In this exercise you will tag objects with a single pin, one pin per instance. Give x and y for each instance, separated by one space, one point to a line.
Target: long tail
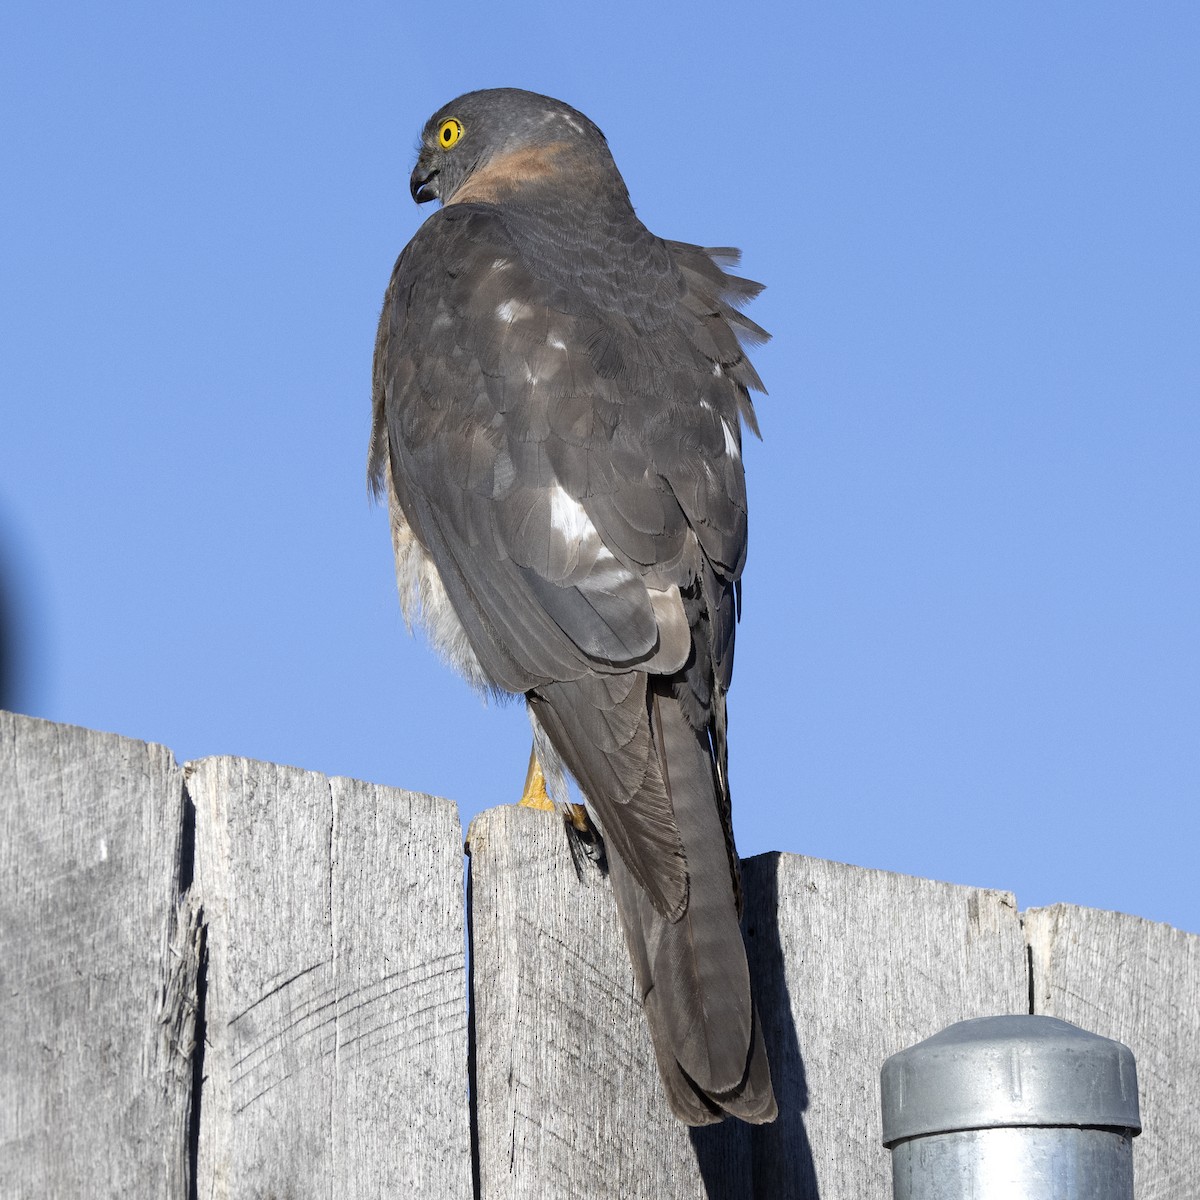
690 966
692 973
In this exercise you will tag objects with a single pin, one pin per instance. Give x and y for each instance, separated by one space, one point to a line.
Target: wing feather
565 444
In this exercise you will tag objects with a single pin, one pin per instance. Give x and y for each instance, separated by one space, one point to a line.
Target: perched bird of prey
558 398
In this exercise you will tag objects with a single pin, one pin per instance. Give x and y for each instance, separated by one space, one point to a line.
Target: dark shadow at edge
186 873
776 1159
472 1064
201 1035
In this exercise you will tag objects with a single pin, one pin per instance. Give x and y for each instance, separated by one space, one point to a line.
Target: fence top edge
1052 912
26 724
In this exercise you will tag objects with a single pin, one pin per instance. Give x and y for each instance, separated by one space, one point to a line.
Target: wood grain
97 966
849 965
568 1097
852 965
335 1062
321 939
1138 982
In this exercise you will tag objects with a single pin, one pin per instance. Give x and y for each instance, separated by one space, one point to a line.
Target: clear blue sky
971 641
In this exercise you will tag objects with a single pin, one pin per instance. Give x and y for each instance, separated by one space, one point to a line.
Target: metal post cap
1009 1071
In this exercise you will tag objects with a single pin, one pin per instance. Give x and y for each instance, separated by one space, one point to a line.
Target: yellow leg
534 795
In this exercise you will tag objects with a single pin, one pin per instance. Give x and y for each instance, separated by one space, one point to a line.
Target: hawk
557 406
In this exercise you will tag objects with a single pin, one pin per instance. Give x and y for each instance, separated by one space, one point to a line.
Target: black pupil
446 133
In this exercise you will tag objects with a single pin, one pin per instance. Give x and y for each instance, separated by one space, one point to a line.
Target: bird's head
488 144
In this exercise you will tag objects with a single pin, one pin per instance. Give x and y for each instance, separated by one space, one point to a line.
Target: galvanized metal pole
1011 1108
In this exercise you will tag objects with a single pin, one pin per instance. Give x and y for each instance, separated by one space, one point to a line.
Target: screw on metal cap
1009 1071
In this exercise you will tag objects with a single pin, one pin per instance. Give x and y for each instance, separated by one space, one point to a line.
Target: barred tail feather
692 973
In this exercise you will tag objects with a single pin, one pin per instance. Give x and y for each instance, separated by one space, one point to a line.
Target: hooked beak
423 183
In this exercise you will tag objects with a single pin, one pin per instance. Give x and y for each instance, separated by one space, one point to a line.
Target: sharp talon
534 795
584 840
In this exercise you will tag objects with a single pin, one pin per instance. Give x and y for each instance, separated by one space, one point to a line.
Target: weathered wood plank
336 1025
97 966
849 965
1139 982
336 1048
568 1097
852 965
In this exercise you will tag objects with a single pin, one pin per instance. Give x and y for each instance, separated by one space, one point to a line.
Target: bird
558 397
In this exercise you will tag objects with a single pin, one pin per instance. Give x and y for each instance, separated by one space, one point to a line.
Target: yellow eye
449 133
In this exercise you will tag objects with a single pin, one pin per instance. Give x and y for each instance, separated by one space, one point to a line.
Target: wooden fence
237 979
